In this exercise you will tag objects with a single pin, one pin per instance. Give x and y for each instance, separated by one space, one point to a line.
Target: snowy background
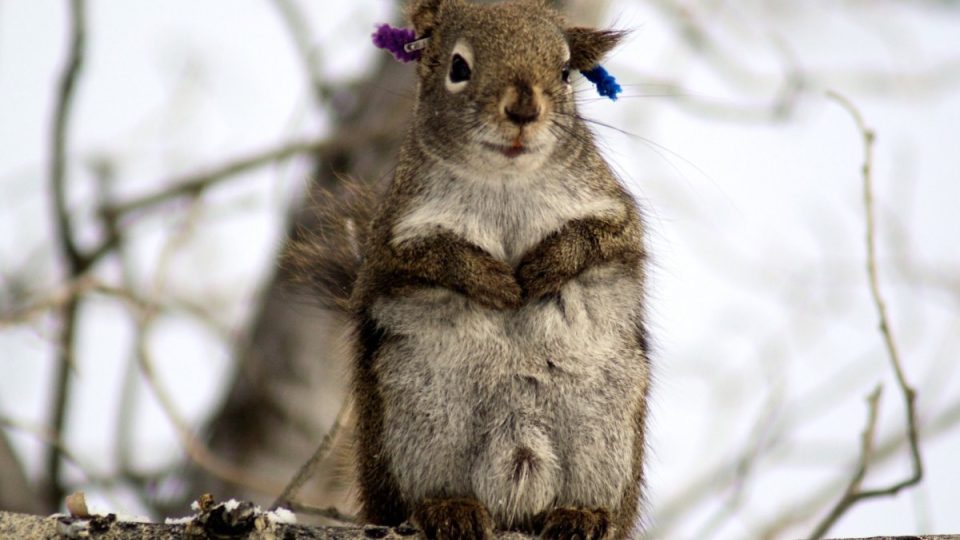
766 335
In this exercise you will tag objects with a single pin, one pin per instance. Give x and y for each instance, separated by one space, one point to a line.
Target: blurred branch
192 184
709 485
57 299
854 493
308 468
75 261
51 438
198 452
195 449
762 438
16 492
777 108
690 23
296 23
58 142
689 26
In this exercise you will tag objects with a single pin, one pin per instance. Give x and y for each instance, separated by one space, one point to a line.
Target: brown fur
579 245
588 46
328 261
442 260
381 502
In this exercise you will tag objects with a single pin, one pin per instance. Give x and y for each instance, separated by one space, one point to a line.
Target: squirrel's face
495 91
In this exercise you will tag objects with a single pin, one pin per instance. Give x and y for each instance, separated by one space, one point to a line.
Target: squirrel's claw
453 519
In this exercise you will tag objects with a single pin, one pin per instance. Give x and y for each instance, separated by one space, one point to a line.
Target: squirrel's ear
588 46
425 14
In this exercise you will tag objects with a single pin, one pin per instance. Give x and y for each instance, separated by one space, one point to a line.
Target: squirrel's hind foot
453 519
567 523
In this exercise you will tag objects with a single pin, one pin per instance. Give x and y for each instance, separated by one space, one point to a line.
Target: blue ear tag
606 84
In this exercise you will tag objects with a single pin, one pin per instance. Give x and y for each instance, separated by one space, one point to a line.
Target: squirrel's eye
565 73
459 69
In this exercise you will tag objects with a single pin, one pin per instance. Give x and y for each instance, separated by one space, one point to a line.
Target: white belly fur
469 387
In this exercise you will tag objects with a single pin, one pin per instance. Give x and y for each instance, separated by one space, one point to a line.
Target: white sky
758 294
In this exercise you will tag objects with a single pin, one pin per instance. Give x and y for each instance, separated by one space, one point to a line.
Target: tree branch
308 468
58 141
75 261
854 494
240 523
191 184
225 525
866 458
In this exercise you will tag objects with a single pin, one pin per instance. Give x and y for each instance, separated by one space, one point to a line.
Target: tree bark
27 527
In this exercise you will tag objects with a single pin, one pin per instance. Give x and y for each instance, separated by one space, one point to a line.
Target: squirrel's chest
504 217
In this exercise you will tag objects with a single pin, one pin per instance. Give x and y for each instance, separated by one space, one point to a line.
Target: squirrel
496 290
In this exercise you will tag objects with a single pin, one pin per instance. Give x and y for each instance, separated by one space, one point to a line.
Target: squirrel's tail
325 255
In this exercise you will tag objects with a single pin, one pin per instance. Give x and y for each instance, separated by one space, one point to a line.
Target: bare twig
191 184
866 458
709 485
854 494
128 390
308 468
942 423
76 263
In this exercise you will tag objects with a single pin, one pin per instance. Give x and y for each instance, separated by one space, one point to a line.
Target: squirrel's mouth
516 148
511 151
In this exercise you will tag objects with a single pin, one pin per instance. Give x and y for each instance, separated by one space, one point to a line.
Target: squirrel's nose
521 115
524 108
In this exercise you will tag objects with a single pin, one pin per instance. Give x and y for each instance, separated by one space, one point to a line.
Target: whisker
664 152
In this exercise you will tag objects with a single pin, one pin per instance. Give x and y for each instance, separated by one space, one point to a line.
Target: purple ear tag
401 42
405 47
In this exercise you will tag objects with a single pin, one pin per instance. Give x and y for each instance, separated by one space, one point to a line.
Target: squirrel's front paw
539 278
576 523
453 519
496 287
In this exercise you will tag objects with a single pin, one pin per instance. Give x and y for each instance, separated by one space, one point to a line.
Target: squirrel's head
495 82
